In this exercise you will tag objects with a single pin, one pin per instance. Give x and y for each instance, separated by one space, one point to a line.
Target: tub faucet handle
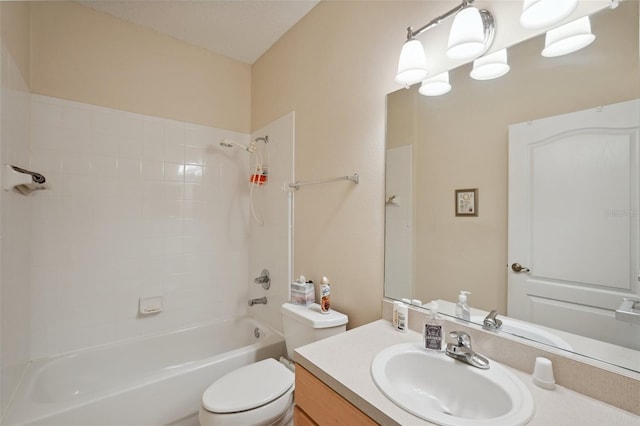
264 279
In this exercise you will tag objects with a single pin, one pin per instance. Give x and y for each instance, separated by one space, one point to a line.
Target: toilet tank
307 324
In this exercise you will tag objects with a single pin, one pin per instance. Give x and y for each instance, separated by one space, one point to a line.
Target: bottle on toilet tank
325 295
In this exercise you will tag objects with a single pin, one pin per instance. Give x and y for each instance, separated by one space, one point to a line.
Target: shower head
228 143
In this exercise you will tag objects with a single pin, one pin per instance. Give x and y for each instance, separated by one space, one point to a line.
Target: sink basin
444 391
528 331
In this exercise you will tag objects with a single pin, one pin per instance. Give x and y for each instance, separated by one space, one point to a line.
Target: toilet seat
248 387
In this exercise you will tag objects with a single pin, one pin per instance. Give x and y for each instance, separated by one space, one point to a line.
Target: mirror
436 145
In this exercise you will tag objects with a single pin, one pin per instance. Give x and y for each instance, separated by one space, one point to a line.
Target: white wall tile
46 137
134 214
104 166
15 311
46 114
194 154
76 139
269 242
153 169
76 163
129 168
129 148
77 118
103 144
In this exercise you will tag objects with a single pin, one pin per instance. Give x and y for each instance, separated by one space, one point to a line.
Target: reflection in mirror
460 140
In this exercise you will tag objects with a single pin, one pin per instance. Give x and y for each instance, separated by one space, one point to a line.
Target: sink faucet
461 350
490 321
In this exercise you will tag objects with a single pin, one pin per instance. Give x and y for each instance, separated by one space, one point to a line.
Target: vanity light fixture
568 38
436 85
412 66
490 66
471 35
545 13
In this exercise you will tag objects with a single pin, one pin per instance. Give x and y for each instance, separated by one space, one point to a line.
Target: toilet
262 393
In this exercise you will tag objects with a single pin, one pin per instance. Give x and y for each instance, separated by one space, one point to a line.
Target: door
398 262
573 221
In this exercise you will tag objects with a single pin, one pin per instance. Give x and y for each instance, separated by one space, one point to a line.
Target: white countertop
343 362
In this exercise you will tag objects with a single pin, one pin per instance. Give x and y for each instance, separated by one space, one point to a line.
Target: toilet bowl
261 393
256 394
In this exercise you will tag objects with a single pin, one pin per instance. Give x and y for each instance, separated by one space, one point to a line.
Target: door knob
516 267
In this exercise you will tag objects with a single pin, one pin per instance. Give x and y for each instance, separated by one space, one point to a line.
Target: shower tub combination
155 380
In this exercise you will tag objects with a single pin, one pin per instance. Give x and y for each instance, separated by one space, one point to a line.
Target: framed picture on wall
467 202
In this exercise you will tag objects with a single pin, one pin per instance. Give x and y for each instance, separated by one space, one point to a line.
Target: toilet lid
248 387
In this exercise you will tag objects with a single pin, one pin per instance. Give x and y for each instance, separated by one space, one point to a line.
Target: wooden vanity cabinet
318 404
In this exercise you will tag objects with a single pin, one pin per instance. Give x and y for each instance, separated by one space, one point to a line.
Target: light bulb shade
545 13
412 66
436 85
568 38
490 66
471 33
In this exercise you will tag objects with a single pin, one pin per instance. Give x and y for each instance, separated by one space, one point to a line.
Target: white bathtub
156 380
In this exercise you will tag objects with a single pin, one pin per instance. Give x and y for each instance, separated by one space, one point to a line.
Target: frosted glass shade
545 13
436 85
467 35
412 65
568 38
490 66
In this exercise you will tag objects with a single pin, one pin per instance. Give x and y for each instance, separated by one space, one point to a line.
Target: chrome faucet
490 321
461 350
259 301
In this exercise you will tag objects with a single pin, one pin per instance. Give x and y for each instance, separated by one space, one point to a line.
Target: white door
573 221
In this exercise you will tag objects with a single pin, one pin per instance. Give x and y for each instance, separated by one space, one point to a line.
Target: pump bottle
434 331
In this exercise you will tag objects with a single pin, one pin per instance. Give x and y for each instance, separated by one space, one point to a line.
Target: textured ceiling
239 29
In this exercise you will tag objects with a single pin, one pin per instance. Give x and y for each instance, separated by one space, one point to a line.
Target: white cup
543 373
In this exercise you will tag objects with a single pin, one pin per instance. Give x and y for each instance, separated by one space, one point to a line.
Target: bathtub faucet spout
259 301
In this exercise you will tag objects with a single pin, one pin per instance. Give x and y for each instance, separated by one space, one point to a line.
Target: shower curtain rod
355 178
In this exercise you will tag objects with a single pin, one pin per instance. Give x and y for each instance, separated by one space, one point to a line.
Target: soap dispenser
433 333
462 309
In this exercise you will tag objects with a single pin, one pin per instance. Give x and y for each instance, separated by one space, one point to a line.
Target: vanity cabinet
318 404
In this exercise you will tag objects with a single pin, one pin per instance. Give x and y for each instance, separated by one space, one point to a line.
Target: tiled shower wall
14 230
137 206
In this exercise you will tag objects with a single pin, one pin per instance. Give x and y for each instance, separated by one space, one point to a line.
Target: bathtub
154 380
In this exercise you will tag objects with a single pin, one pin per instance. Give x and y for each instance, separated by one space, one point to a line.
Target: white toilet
262 393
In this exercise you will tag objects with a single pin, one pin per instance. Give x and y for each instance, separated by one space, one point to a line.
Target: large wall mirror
437 145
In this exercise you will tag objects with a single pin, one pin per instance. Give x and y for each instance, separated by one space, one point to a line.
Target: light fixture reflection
545 13
436 85
412 65
568 38
490 66
471 33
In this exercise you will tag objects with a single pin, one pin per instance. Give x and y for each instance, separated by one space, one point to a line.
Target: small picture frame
467 202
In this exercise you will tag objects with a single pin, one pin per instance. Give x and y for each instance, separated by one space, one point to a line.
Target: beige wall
83 55
16 40
334 69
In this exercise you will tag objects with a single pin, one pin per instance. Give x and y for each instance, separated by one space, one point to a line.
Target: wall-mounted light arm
436 21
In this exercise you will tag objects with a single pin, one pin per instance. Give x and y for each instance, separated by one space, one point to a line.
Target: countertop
343 362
